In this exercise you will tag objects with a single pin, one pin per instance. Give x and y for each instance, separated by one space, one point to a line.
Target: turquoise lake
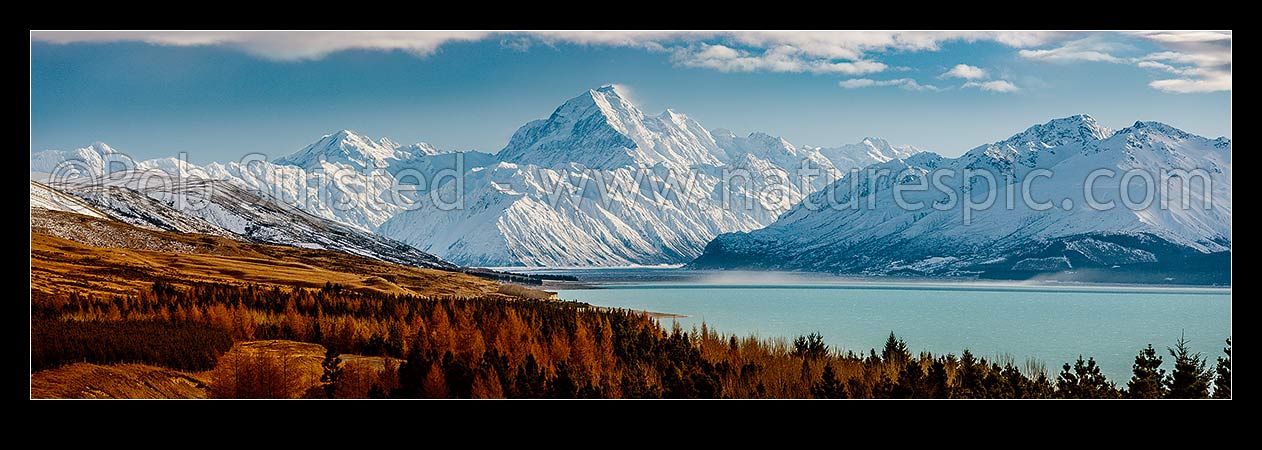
1051 324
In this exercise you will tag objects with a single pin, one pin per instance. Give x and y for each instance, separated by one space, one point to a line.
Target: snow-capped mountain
527 215
358 152
868 151
856 225
92 160
596 183
601 129
600 183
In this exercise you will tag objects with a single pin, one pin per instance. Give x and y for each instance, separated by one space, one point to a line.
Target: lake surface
1050 323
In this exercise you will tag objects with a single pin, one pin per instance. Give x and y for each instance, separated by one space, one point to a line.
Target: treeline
179 345
492 348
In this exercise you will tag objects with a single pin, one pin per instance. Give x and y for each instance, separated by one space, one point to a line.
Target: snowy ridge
48 198
358 152
889 237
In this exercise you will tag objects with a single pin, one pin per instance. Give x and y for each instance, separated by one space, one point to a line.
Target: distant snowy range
599 183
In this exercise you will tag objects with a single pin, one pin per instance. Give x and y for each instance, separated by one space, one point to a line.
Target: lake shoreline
1049 322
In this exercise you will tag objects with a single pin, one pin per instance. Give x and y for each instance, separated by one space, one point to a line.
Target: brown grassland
76 253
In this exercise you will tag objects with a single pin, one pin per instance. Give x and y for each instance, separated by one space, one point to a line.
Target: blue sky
219 95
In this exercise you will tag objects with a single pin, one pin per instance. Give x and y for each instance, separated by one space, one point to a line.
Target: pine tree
1148 378
1190 378
895 351
971 376
829 386
1222 383
811 346
413 373
1084 381
910 381
332 376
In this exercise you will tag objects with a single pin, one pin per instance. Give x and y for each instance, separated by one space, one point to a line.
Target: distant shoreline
651 276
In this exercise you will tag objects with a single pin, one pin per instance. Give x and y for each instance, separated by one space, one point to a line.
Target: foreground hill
75 253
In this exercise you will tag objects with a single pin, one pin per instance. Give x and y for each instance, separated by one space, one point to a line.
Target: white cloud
519 43
1177 37
783 58
1201 59
904 83
1160 66
966 72
1091 48
1213 83
993 86
840 52
277 45
856 83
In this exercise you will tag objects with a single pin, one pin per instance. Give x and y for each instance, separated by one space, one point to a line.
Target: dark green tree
910 382
1084 380
936 381
829 386
317 335
459 376
332 376
530 381
1222 383
1190 378
413 372
1041 387
971 377
1148 379
895 352
997 383
811 346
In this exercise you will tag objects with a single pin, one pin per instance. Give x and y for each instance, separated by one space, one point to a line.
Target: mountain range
600 183
1017 239
597 183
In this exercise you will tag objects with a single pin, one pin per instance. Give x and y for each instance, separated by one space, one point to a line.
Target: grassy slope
71 252
82 380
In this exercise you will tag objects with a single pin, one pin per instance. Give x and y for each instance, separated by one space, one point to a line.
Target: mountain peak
611 89
1084 123
601 128
1080 128
876 142
1154 126
344 147
102 148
